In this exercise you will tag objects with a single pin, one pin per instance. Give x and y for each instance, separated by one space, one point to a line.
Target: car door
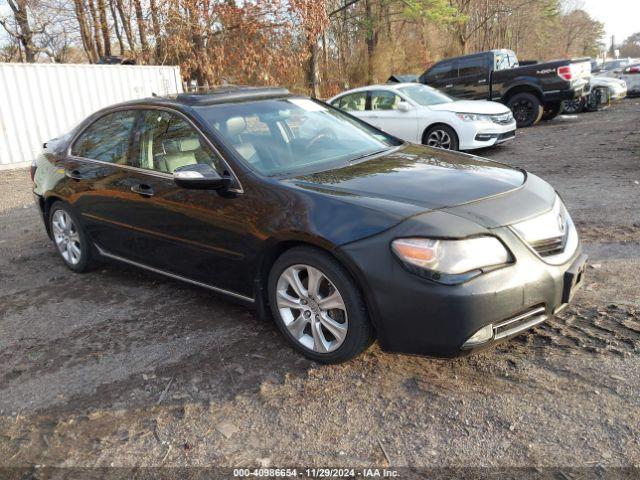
98 172
194 234
473 78
385 115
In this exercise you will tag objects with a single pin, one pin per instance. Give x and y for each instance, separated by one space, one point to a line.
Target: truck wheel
552 110
573 106
526 109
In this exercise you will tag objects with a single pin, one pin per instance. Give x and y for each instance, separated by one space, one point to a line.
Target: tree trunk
142 31
85 31
116 27
155 24
371 40
96 28
19 8
126 25
312 73
104 27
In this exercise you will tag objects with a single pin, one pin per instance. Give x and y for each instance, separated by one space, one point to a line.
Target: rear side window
168 141
471 66
108 139
442 71
354 102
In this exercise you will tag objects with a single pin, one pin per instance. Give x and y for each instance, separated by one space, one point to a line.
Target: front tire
526 109
317 306
69 238
441 136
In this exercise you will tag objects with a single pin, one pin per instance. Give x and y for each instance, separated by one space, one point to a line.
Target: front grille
520 322
503 118
550 246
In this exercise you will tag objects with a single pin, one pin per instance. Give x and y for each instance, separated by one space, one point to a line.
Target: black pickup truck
532 91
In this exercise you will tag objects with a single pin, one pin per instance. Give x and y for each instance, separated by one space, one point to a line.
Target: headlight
473 117
450 261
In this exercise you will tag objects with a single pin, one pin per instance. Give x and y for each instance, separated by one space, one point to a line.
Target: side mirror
200 176
403 106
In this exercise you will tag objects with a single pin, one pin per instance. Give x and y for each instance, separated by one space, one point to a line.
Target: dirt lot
122 368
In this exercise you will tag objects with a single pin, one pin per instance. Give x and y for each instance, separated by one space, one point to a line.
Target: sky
620 17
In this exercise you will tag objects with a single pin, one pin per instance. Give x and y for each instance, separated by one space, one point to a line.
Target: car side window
354 102
384 100
470 66
108 139
166 141
442 71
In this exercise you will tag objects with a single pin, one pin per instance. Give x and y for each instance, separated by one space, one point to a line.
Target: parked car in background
600 92
631 76
530 91
421 114
612 67
341 233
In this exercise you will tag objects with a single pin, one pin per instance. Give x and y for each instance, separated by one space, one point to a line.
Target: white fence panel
39 102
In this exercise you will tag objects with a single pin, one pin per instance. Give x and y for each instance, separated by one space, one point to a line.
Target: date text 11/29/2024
316 472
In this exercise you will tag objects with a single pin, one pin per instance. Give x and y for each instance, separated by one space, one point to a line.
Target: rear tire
317 306
70 239
526 109
441 136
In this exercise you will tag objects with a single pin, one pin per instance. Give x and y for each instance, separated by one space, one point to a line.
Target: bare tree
23 32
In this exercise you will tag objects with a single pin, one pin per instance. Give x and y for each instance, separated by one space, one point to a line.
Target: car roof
215 96
380 86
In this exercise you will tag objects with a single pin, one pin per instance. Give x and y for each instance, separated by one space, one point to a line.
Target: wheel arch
523 88
277 248
45 207
438 123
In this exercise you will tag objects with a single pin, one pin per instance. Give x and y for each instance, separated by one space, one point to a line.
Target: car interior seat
178 153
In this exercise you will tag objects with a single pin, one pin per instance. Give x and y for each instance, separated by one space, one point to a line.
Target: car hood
606 81
418 177
471 106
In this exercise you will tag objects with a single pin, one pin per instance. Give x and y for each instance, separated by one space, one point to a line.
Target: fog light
481 336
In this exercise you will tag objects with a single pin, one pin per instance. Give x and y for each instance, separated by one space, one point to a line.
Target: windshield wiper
365 155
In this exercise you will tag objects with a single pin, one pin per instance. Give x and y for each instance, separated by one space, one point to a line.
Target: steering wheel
326 134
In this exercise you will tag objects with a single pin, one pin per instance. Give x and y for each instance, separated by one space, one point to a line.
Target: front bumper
486 134
417 316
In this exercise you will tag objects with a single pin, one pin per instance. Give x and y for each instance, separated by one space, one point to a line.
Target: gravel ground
122 368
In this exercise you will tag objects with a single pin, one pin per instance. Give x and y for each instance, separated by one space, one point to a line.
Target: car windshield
425 96
293 135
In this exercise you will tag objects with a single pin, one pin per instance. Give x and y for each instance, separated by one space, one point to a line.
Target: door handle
449 86
142 189
74 174
374 116
483 80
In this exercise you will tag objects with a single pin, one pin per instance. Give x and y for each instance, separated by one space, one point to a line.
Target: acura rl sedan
340 232
421 114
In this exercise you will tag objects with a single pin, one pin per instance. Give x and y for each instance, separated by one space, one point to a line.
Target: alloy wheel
439 139
311 308
572 106
522 110
66 236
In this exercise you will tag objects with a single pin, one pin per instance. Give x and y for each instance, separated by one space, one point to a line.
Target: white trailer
41 101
